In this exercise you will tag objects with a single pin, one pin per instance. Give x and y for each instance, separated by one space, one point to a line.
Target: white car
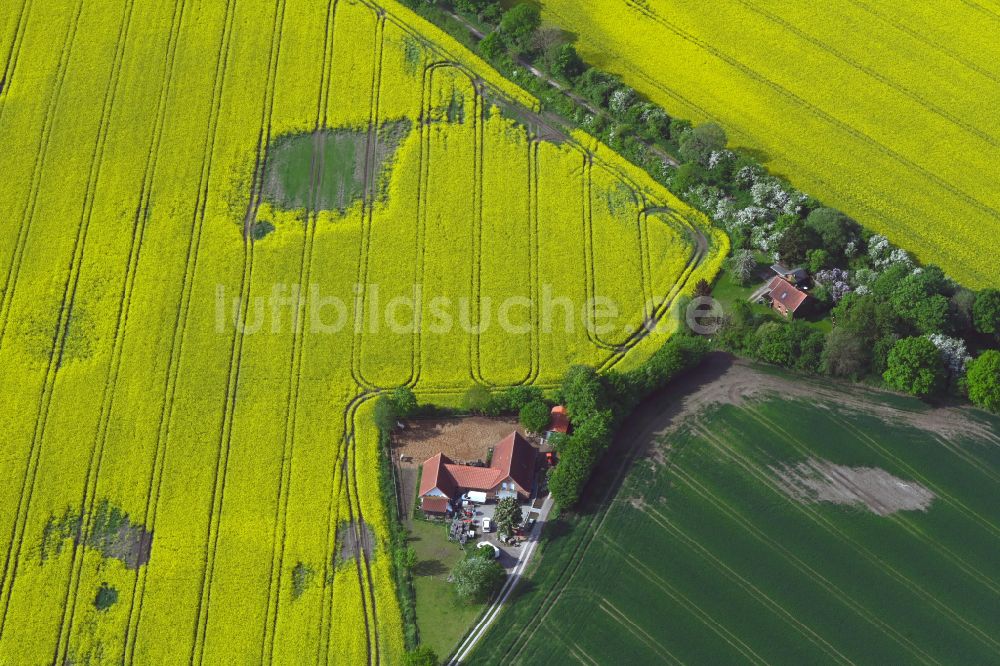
487 525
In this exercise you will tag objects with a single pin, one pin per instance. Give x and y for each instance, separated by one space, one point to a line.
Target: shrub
477 579
534 416
915 367
983 381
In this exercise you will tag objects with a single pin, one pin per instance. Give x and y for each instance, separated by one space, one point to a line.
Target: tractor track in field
221 475
801 565
589 250
809 512
317 168
30 205
815 111
13 53
137 596
61 331
370 190
684 602
968 64
475 344
874 74
748 586
140 219
872 445
906 523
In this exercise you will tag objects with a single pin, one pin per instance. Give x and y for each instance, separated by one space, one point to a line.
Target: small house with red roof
785 297
511 474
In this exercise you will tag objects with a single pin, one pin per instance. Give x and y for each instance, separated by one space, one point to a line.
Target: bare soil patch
355 539
461 439
879 491
722 379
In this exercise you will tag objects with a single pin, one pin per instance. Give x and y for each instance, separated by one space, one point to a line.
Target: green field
701 557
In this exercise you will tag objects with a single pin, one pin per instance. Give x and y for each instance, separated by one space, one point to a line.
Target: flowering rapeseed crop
884 112
184 427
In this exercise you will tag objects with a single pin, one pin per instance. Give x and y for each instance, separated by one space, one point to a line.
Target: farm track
236 352
971 460
295 364
817 112
746 524
28 213
121 326
137 596
591 529
61 331
868 71
750 468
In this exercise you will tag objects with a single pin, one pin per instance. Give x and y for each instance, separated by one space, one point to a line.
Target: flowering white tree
953 352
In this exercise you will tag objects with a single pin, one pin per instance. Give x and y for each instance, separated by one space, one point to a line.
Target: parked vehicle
487 525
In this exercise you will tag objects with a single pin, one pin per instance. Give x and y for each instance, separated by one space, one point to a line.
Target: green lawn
441 619
703 558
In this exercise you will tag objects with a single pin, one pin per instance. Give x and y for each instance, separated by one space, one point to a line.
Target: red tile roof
515 458
785 293
475 478
558 420
434 475
434 504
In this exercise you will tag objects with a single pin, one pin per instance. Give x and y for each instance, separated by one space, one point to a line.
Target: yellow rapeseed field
198 197
884 110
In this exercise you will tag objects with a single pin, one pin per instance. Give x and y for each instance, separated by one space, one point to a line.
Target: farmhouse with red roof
510 474
785 297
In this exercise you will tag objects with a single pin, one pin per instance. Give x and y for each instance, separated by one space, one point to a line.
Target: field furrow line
13 53
370 185
221 471
904 523
683 601
970 459
30 206
759 595
140 219
236 352
65 309
898 25
138 592
908 583
872 445
874 74
295 364
706 494
644 637
818 112
534 248
476 259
